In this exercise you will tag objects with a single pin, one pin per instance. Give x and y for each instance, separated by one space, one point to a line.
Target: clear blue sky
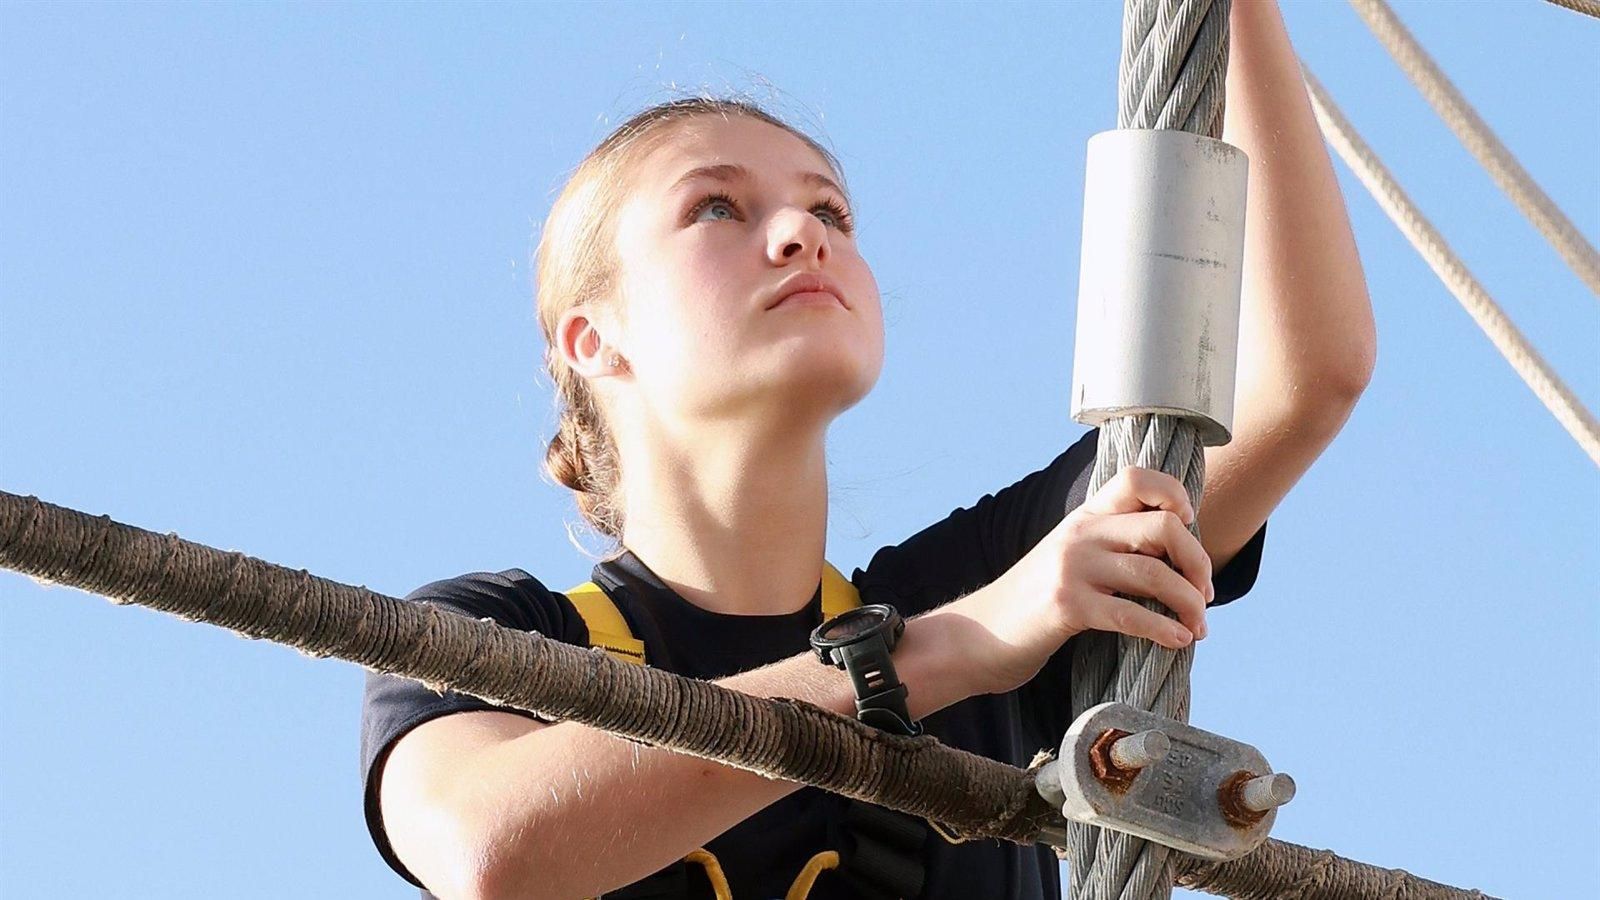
264 282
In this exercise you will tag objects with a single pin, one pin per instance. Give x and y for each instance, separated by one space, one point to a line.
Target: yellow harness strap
708 861
838 594
807 879
609 631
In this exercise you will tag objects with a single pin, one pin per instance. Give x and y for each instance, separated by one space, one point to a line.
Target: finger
1135 490
1144 576
1159 533
1108 613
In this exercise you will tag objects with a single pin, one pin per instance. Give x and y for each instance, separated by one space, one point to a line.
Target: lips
807 283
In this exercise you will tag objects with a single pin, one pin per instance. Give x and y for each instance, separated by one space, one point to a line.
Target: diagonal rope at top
1172 76
1587 7
1501 331
1481 141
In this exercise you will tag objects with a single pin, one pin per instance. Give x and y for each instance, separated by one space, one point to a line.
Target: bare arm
1307 343
492 804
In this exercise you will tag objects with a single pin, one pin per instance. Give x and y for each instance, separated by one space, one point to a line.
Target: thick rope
972 796
1587 7
1477 137
1512 344
786 739
1279 870
1173 76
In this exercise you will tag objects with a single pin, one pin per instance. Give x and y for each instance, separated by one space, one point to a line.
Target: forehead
767 151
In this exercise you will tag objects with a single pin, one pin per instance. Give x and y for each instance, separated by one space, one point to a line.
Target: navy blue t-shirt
761 855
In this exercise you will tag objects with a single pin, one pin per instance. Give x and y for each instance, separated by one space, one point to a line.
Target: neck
733 519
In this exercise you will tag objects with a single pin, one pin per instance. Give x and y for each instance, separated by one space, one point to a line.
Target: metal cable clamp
1165 781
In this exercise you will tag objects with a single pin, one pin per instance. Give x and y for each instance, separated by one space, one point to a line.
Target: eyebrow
732 172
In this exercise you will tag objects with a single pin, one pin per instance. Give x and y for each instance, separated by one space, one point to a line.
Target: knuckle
1193 600
1179 586
1176 592
1123 619
1131 478
1147 568
1184 540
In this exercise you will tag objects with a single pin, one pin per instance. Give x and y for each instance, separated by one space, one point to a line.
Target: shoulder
513 598
393 706
975 544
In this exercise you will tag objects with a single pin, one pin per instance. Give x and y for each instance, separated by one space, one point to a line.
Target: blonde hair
576 265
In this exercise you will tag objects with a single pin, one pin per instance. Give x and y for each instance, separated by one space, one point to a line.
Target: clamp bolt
1247 797
1139 750
1117 756
1266 792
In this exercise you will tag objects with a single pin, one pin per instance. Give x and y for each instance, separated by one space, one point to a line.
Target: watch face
854 624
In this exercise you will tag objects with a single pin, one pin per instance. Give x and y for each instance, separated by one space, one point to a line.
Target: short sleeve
977 544
391 706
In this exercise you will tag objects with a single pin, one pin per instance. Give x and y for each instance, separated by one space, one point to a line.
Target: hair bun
564 458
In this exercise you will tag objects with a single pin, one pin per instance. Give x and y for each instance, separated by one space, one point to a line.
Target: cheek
876 338
871 311
701 287
680 333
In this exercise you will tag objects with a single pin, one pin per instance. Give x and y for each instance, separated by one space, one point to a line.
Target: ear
580 342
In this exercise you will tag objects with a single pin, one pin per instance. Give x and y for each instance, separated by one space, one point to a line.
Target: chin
805 377
829 385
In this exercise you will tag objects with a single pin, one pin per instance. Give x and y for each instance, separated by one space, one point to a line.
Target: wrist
938 660
862 641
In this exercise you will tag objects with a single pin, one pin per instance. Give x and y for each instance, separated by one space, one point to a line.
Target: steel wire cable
1172 75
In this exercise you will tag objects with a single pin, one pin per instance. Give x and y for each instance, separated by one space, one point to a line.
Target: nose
794 235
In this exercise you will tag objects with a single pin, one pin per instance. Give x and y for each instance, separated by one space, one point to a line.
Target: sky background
264 281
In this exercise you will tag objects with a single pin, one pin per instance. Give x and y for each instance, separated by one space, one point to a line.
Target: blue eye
842 219
830 212
715 201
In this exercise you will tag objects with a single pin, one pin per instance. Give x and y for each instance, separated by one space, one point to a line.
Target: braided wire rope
1502 332
1172 75
1481 141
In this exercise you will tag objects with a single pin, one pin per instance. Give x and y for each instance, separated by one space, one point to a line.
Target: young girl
708 315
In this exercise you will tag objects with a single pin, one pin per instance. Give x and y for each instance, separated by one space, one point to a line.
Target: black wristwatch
859 641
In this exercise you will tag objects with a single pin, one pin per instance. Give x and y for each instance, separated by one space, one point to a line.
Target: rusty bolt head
1117 756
